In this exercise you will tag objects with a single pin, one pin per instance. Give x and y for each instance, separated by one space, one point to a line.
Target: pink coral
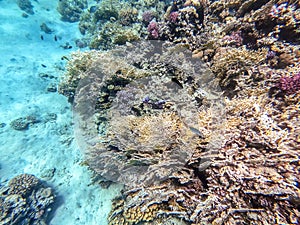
290 85
153 30
234 38
148 16
173 17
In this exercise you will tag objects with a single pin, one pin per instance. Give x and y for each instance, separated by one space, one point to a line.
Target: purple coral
271 54
289 85
153 30
147 16
173 17
235 37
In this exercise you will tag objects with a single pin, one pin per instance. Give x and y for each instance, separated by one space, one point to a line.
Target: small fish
42 37
65 58
43 65
93 9
55 38
196 131
146 99
177 82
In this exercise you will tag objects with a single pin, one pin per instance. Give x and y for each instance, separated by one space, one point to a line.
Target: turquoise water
30 68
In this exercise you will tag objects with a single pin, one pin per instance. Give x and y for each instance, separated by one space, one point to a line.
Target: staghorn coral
25 201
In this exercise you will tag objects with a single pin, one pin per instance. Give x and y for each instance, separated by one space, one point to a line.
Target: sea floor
29 72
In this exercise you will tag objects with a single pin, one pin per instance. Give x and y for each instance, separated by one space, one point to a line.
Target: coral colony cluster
210 137
193 105
25 200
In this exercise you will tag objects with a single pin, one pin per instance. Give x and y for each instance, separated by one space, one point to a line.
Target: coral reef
146 110
71 10
23 123
25 201
117 22
26 6
182 157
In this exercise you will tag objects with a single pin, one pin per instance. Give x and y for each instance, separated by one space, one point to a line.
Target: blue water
46 148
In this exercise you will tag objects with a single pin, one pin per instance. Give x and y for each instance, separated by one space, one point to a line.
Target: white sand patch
47 148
